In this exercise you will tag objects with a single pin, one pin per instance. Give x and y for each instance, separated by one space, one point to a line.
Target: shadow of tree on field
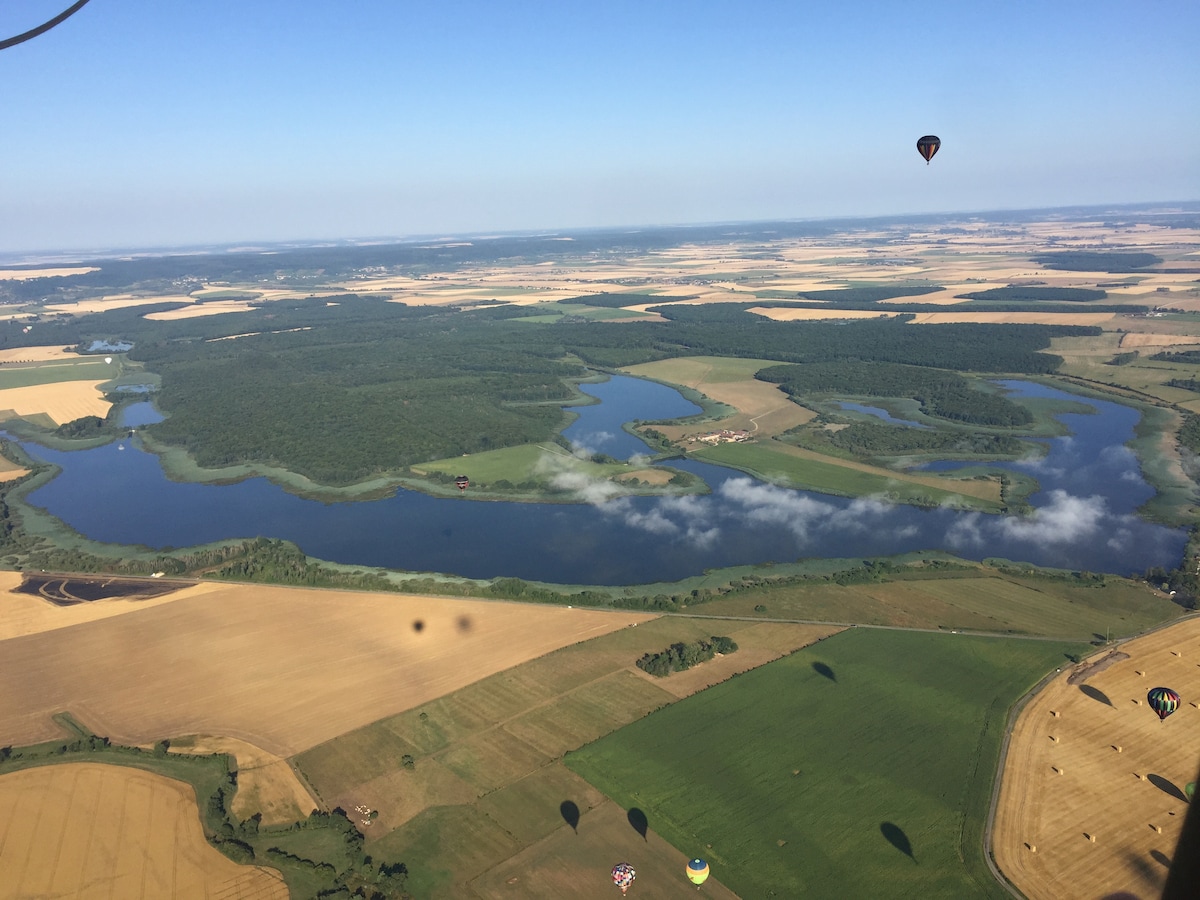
638 820
1167 787
570 813
821 669
895 836
1095 693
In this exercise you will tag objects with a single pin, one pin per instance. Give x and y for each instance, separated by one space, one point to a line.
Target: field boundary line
1014 713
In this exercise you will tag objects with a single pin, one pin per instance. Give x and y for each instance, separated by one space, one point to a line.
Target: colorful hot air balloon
463 482
623 875
928 145
1163 701
697 871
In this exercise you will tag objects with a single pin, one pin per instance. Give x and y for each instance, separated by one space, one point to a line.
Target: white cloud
1064 520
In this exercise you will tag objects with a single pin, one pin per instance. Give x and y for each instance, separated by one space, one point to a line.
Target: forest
871 439
1096 261
373 387
946 395
1037 295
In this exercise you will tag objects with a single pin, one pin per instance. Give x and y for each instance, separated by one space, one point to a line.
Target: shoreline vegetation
348 373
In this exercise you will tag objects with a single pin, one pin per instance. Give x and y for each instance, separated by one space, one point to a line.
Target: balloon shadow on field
570 813
1159 857
823 670
638 820
1095 693
897 838
1167 787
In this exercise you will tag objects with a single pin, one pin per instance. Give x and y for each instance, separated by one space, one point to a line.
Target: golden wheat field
266 783
280 668
59 272
1091 796
89 830
62 401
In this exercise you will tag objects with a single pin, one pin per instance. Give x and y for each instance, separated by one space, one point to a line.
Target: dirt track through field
281 668
1091 760
90 830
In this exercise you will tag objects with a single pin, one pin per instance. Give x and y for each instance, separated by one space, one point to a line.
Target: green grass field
486 781
88 368
858 767
986 600
762 460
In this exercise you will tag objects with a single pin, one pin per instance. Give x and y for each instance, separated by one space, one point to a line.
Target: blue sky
140 123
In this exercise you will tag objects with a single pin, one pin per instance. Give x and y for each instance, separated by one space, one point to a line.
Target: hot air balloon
928 145
108 360
1163 701
697 871
463 482
623 875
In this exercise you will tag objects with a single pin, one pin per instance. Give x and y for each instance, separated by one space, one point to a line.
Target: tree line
680 656
947 395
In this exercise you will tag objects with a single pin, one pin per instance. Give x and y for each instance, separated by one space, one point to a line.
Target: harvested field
35 354
92 830
9 470
104 304
196 310
762 408
22 613
61 272
266 783
1137 340
1091 799
281 668
62 401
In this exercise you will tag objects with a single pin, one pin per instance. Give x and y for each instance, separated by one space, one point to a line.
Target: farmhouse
723 437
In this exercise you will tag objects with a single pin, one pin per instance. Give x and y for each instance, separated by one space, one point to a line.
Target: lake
1091 485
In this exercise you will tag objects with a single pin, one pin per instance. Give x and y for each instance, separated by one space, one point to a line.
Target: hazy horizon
136 125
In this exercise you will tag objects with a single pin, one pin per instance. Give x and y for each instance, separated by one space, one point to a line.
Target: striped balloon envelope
1163 701
697 871
928 145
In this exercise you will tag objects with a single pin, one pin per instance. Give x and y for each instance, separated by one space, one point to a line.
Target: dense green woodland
1091 261
940 393
1037 295
872 439
373 387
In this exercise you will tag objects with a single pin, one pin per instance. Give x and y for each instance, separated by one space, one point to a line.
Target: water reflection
1084 518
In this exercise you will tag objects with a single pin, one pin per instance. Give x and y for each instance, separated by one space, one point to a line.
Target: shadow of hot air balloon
638 820
895 836
570 813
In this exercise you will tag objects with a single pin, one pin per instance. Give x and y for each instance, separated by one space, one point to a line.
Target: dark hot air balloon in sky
1163 701
928 145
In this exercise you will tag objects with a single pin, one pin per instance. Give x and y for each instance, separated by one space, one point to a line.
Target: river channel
1084 516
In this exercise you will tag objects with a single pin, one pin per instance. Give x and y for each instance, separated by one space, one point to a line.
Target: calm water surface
1084 517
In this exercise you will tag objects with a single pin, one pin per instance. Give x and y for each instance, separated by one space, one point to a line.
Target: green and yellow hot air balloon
697 871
